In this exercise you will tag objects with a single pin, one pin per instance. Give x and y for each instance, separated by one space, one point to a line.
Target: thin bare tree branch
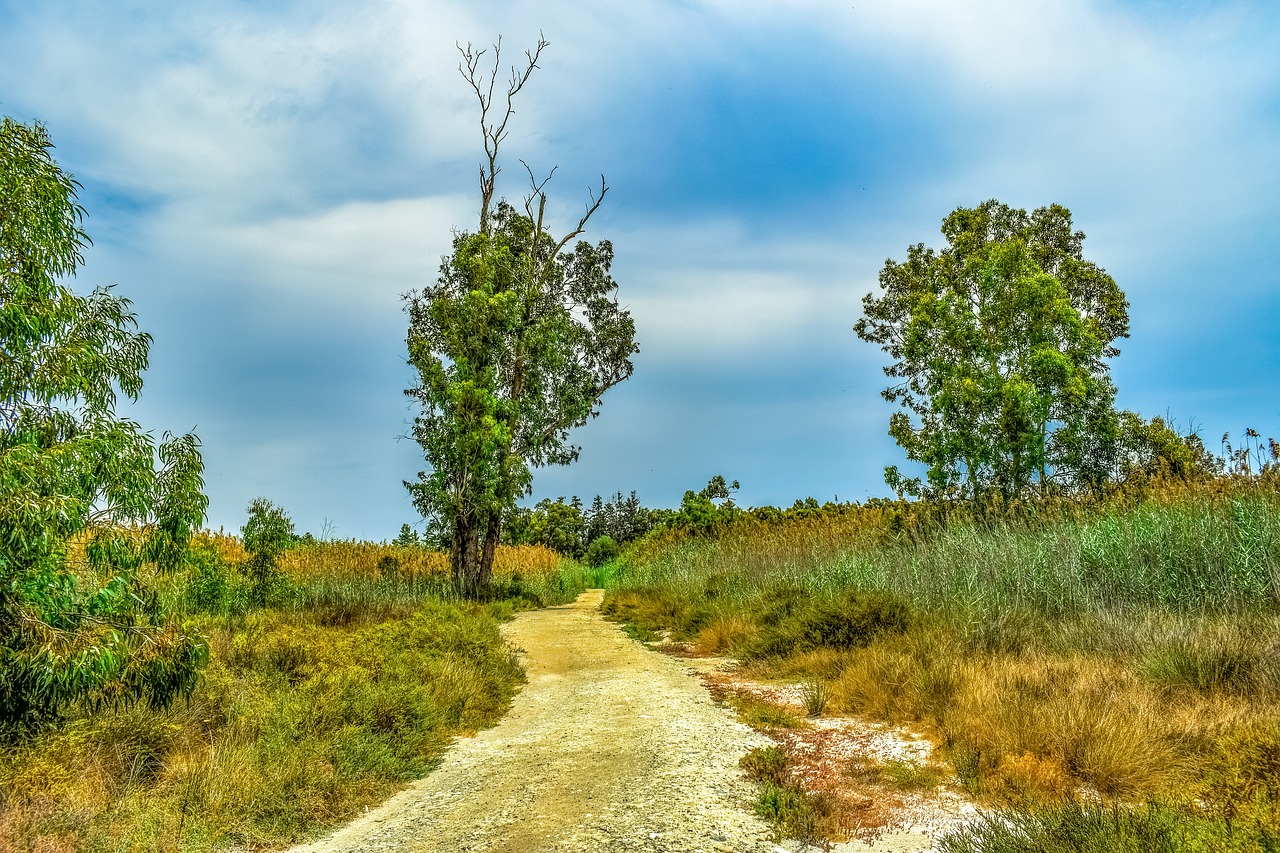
492 130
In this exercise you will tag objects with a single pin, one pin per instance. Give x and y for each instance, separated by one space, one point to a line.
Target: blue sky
266 180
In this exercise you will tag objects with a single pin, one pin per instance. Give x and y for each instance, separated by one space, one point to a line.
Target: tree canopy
514 346
84 493
1000 344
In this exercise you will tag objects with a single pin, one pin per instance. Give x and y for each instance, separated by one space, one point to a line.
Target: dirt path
608 747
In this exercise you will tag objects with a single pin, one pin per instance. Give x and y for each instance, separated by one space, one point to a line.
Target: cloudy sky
264 181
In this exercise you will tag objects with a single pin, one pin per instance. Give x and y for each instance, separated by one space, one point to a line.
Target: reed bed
1112 652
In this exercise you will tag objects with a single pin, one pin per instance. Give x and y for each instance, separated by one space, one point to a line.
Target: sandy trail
608 747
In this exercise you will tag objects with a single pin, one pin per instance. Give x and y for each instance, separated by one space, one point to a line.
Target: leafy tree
83 493
698 511
1000 344
1154 449
558 525
514 346
598 518
267 534
408 537
602 550
620 518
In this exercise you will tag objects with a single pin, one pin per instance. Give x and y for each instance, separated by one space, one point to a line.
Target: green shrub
765 764
1221 659
602 550
209 588
849 621
789 808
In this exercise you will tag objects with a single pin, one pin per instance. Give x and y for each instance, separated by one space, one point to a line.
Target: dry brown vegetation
349 682
1119 652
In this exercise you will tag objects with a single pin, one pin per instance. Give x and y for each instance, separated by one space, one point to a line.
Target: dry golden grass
1043 727
296 726
724 633
367 560
372 560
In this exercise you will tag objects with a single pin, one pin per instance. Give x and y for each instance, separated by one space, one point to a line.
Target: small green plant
904 775
765 764
910 776
640 633
815 693
967 761
789 808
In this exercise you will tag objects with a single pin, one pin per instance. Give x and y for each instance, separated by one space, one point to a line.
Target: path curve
608 747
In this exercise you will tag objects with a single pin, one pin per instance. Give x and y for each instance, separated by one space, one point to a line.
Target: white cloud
354 257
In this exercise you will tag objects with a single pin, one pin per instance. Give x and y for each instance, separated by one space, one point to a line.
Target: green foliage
602 550
700 514
297 727
1232 660
1153 450
849 621
408 537
620 518
1075 828
765 764
267 534
782 801
814 693
70 469
557 525
999 344
566 527
760 714
1212 552
210 587
514 346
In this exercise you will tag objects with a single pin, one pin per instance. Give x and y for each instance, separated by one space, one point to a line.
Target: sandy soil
609 747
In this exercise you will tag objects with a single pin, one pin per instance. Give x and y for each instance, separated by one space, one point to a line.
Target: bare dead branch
492 130
592 206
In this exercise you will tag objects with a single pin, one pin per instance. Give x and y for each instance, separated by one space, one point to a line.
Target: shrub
209 588
267 534
849 621
602 550
765 764
724 634
814 692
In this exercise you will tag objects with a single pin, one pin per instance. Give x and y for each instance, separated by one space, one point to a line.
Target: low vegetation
1073 660
330 683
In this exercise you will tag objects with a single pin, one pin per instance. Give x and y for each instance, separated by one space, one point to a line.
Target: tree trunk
471 556
464 558
490 549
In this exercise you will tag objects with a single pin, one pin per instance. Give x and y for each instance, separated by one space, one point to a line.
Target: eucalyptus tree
514 346
1000 344
89 502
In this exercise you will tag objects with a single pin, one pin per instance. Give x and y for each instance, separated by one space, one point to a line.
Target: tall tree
1000 344
514 346
84 494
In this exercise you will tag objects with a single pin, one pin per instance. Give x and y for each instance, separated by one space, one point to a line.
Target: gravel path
609 747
